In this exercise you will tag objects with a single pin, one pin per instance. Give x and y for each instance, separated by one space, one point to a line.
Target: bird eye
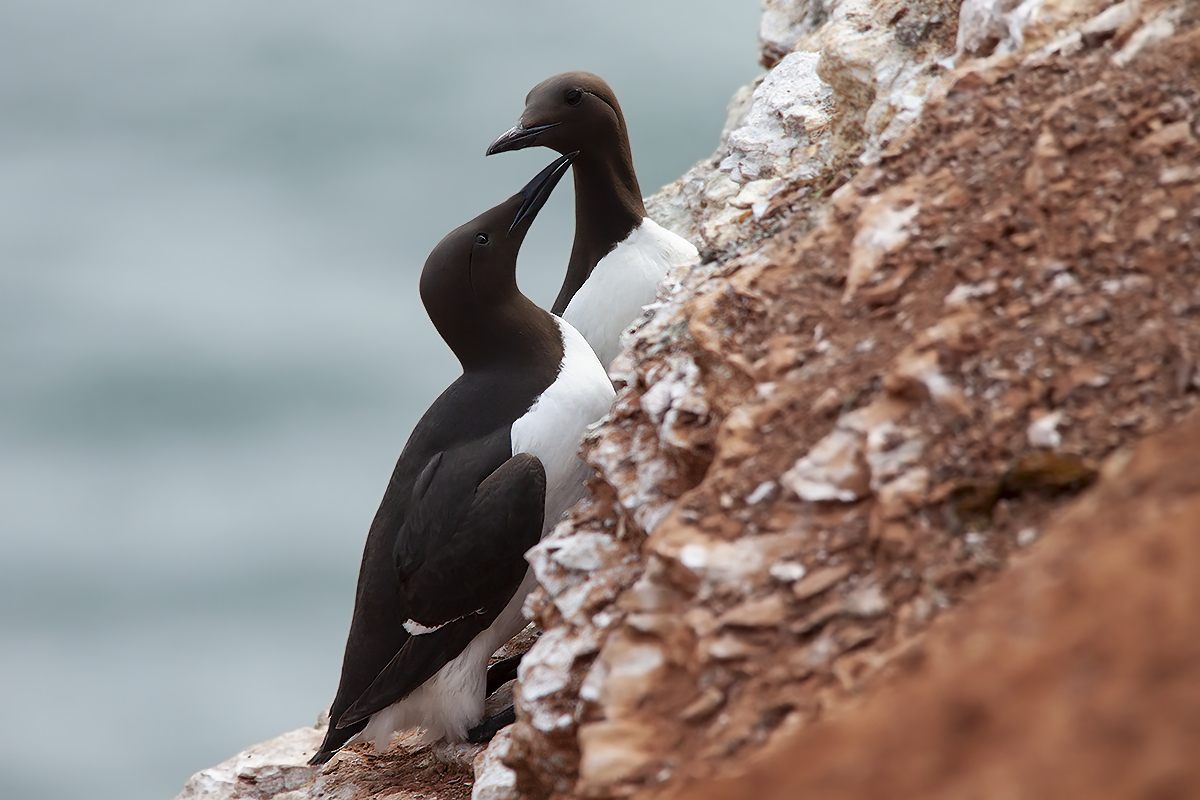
573 97
481 238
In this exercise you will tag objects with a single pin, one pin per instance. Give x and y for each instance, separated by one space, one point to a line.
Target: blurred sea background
213 217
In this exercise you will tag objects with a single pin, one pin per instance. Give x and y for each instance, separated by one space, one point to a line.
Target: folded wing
459 559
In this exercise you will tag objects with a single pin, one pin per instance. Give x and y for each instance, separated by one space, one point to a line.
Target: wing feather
458 587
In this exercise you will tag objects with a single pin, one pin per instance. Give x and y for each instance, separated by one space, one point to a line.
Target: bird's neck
509 336
608 206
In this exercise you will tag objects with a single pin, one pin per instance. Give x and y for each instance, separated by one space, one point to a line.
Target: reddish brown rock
1075 675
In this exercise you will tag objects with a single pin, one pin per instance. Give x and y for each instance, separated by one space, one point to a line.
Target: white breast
623 282
553 427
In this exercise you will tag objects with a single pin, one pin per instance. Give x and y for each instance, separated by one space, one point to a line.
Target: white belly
451 702
553 427
625 281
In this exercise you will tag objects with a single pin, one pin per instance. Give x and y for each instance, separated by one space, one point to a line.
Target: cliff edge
873 512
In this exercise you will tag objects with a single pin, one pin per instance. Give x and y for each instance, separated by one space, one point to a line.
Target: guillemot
488 469
620 255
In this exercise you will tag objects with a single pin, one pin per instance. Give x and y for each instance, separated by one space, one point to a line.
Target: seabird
620 255
489 468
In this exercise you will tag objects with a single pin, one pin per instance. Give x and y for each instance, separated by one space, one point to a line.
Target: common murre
488 469
620 255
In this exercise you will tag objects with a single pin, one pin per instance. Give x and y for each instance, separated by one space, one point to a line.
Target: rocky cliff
847 530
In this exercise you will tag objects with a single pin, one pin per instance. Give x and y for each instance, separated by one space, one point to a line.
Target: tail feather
418 661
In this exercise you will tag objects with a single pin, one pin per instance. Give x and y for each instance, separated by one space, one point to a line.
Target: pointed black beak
517 137
538 190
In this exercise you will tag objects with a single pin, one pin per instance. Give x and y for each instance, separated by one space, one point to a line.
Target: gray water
212 219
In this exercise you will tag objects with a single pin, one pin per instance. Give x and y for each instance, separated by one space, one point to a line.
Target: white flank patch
623 283
417 629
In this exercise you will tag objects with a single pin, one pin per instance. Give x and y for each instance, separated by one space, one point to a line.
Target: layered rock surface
841 432
932 305
1073 675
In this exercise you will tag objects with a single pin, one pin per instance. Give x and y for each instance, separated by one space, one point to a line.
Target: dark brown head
578 112
469 283
571 111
